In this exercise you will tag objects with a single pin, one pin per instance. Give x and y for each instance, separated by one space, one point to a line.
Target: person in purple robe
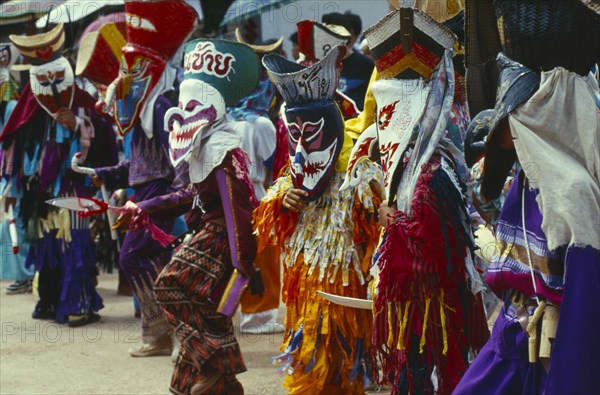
546 266
139 98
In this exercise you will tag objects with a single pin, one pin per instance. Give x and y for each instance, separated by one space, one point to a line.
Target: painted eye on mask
138 70
191 105
49 79
294 133
312 130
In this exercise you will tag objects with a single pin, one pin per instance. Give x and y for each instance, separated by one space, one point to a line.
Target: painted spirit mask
199 105
314 122
8 56
155 30
140 71
51 76
217 74
406 95
53 84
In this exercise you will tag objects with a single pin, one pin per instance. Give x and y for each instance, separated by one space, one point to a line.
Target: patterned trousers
188 291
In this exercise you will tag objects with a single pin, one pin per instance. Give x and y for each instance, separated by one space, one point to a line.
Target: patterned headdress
409 72
99 57
314 121
155 31
217 74
51 75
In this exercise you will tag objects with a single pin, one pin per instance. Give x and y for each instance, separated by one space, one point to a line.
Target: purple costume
548 232
502 366
36 158
150 174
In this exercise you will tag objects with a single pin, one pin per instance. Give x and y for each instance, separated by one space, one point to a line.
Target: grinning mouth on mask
309 168
54 102
184 128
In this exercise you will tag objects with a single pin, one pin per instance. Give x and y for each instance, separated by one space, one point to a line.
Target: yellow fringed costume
327 247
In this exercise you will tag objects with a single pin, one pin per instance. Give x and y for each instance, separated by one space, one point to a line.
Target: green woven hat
231 68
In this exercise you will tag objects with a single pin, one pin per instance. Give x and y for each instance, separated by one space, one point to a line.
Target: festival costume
138 100
449 13
427 306
36 158
12 265
328 246
251 115
547 260
200 288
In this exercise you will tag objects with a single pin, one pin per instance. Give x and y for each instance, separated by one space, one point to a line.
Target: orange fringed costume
327 247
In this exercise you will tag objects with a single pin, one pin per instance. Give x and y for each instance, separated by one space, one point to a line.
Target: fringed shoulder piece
272 225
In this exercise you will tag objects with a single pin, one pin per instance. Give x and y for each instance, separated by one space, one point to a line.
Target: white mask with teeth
200 105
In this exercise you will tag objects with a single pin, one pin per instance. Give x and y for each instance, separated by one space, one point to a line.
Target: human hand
386 213
129 211
66 118
97 181
294 200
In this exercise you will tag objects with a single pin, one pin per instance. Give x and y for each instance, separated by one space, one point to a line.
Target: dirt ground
42 357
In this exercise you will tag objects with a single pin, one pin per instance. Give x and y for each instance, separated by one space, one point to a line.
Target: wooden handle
549 325
532 331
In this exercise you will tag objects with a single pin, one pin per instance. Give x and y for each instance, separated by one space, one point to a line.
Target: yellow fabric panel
114 39
344 158
355 126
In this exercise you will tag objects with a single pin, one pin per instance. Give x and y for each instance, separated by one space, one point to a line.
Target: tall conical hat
315 39
99 56
429 41
299 84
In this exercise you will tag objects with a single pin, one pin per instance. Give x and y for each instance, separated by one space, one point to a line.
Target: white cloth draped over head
210 146
429 126
258 140
557 135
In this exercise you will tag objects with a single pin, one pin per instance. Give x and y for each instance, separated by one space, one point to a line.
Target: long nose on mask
299 162
123 86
